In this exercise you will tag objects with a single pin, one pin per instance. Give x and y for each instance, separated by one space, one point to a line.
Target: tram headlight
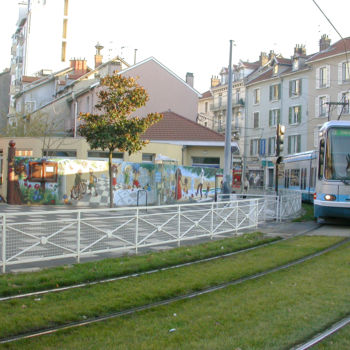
330 197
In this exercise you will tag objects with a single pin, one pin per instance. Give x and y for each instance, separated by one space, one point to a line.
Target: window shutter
289 145
251 147
270 117
299 115
290 88
317 107
299 143
339 107
270 92
317 78
340 73
279 91
300 86
328 75
278 116
290 115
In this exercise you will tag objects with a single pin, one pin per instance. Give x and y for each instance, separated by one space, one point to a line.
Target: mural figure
114 176
92 182
200 185
178 191
185 190
79 188
135 182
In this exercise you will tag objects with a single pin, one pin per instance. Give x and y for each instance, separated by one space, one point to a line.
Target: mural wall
86 182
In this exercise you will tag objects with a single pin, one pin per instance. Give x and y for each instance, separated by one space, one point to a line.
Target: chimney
215 81
325 42
98 56
299 51
189 79
79 65
271 55
263 59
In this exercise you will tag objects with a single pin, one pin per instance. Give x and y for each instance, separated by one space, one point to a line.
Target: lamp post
228 157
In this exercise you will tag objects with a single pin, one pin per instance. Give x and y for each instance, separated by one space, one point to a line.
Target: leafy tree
113 128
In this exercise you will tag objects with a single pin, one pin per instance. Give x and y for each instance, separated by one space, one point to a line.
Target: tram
300 173
332 192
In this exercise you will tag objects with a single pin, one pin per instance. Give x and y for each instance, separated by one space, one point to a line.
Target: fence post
4 243
179 226
212 220
137 231
78 236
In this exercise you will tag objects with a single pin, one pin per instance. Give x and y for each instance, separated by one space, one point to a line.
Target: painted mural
86 182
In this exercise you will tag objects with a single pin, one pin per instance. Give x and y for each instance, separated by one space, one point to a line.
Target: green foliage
113 128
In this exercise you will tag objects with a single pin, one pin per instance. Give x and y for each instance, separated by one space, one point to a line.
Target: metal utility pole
135 50
228 157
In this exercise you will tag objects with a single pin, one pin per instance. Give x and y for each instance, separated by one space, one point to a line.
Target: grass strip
273 312
307 213
12 284
17 316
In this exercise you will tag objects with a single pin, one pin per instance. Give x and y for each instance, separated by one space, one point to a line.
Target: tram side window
286 179
303 178
294 177
321 160
312 177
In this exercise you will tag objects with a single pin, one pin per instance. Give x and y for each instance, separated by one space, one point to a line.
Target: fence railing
30 237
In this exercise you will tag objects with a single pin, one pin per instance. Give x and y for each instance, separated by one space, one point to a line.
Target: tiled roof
206 94
251 65
174 127
337 48
264 76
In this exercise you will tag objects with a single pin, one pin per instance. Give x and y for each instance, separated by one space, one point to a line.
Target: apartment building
329 88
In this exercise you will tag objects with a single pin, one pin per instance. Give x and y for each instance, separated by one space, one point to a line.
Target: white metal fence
38 236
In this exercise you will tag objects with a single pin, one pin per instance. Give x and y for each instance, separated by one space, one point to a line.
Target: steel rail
138 274
325 334
208 290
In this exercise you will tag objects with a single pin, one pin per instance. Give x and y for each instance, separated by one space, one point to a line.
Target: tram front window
338 154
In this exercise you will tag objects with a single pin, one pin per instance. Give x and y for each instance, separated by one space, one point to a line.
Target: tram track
139 274
208 290
323 335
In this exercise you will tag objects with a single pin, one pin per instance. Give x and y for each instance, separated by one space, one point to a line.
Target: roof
174 127
337 48
206 94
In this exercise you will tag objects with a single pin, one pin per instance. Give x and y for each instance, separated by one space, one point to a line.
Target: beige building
329 87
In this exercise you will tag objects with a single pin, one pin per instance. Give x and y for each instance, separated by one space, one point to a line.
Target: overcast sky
192 35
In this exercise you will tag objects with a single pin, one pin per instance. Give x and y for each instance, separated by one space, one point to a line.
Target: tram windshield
338 154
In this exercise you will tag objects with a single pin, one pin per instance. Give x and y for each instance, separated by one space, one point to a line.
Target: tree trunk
111 205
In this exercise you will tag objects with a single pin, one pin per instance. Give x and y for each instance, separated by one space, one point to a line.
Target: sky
191 35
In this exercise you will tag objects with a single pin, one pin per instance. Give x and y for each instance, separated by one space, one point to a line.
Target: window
294 144
275 69
256 119
148 157
295 115
60 153
220 100
254 147
294 88
295 63
344 97
323 77
294 177
238 95
344 72
206 107
303 179
271 145
274 117
208 162
275 92
322 106
256 96
105 155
